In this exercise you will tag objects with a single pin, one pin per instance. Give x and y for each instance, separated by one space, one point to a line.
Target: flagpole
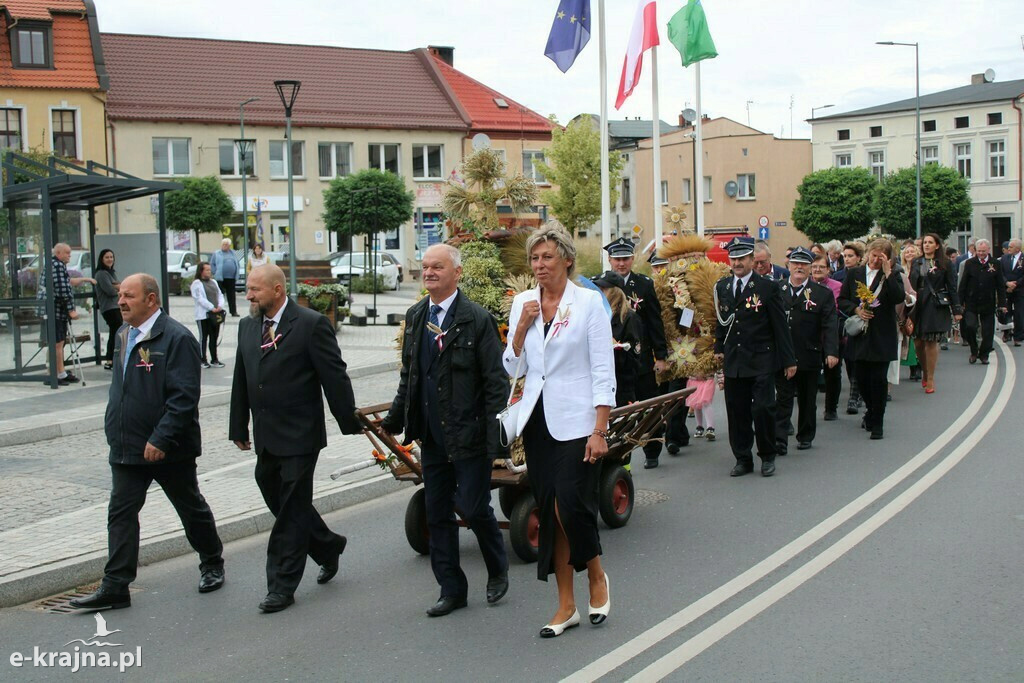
606 219
698 171
658 228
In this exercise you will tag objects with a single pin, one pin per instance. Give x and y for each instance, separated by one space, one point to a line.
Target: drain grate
646 497
58 604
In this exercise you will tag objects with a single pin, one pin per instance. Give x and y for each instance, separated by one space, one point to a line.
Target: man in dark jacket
1013 272
287 359
452 386
812 322
152 427
982 287
752 341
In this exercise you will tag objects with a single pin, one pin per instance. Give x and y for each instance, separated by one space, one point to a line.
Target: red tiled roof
479 102
158 78
73 59
40 9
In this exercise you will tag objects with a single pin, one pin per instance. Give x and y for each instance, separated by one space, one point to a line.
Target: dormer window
32 46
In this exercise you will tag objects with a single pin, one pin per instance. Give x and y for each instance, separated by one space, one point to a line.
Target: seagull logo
101 632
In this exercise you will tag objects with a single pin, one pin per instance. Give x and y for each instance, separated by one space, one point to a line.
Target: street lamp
244 146
824 106
917 89
288 91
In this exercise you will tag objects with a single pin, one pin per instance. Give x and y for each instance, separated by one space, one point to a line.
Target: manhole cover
645 497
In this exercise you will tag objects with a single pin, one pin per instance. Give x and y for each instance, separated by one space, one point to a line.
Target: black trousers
804 388
833 386
675 430
287 487
873 383
1015 304
971 323
129 484
209 333
114 321
227 286
750 408
464 485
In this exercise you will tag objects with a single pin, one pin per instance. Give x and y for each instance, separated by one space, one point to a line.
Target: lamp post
288 91
244 146
824 106
917 108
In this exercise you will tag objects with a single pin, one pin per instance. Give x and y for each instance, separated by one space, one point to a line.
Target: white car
183 263
345 265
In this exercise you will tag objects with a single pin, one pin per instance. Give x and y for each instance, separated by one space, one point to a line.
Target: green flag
688 31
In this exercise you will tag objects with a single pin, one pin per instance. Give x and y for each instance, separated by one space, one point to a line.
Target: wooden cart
630 427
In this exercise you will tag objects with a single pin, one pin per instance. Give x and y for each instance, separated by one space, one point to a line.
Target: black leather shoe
104 598
275 602
790 431
984 361
740 469
497 586
211 579
851 407
803 445
672 448
650 463
446 605
830 416
767 468
781 450
876 434
329 569
973 359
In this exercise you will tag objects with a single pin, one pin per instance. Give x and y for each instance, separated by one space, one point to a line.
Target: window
844 160
625 193
427 162
962 122
997 159
877 164
530 169
928 126
687 198
930 154
876 131
231 160
334 159
278 167
843 134
10 129
31 46
746 190
171 156
995 118
707 189
962 155
664 192
384 157
744 151
64 136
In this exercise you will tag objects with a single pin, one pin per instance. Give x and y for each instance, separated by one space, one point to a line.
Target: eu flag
570 32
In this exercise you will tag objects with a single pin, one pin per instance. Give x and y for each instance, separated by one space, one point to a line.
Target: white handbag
508 419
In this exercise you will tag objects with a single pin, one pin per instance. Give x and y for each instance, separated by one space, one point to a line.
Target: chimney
444 53
977 79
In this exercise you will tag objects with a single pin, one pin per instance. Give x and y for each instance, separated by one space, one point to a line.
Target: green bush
363 284
185 288
483 275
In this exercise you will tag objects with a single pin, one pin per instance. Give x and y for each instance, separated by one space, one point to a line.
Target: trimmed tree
201 206
575 167
835 204
367 202
945 201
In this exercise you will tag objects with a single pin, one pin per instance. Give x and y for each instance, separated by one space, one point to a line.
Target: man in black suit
152 428
812 322
763 265
982 287
875 348
639 290
286 355
452 386
1013 272
753 342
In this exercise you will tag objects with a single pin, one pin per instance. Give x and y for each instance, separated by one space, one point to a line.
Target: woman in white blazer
208 298
562 343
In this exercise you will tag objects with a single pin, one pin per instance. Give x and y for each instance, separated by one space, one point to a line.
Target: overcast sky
816 52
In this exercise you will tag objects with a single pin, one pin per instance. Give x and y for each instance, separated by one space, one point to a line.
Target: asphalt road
860 561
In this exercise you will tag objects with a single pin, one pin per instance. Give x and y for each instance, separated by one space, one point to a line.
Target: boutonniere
144 361
808 304
272 343
754 301
635 301
438 334
991 268
563 321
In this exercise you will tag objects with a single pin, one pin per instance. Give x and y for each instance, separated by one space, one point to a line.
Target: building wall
778 165
994 198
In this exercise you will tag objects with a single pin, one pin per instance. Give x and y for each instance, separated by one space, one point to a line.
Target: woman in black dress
626 335
933 279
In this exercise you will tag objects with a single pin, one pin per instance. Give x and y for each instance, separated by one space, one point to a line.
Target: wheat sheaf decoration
688 282
673 218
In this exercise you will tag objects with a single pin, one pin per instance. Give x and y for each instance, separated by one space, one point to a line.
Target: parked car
80 265
183 263
388 258
278 258
354 264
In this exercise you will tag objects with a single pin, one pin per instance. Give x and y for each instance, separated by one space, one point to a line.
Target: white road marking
654 635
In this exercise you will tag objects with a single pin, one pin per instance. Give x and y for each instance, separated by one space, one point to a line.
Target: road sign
22 245
780 224
763 233
763 221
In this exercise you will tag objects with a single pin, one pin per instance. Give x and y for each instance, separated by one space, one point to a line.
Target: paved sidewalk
55 482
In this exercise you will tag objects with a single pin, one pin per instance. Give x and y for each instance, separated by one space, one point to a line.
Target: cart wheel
617 496
524 528
416 523
507 497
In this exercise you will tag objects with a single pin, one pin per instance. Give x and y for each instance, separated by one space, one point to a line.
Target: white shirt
743 280
145 327
1015 260
445 305
797 288
869 275
276 318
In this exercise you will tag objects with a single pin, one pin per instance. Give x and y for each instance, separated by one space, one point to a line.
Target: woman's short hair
856 247
881 244
553 231
617 300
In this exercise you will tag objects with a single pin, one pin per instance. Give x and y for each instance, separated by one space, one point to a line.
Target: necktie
133 335
739 288
268 334
434 310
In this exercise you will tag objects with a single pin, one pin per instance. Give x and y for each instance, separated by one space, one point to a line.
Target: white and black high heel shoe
599 614
555 630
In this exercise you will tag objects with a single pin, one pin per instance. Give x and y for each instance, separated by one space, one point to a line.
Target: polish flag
643 37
